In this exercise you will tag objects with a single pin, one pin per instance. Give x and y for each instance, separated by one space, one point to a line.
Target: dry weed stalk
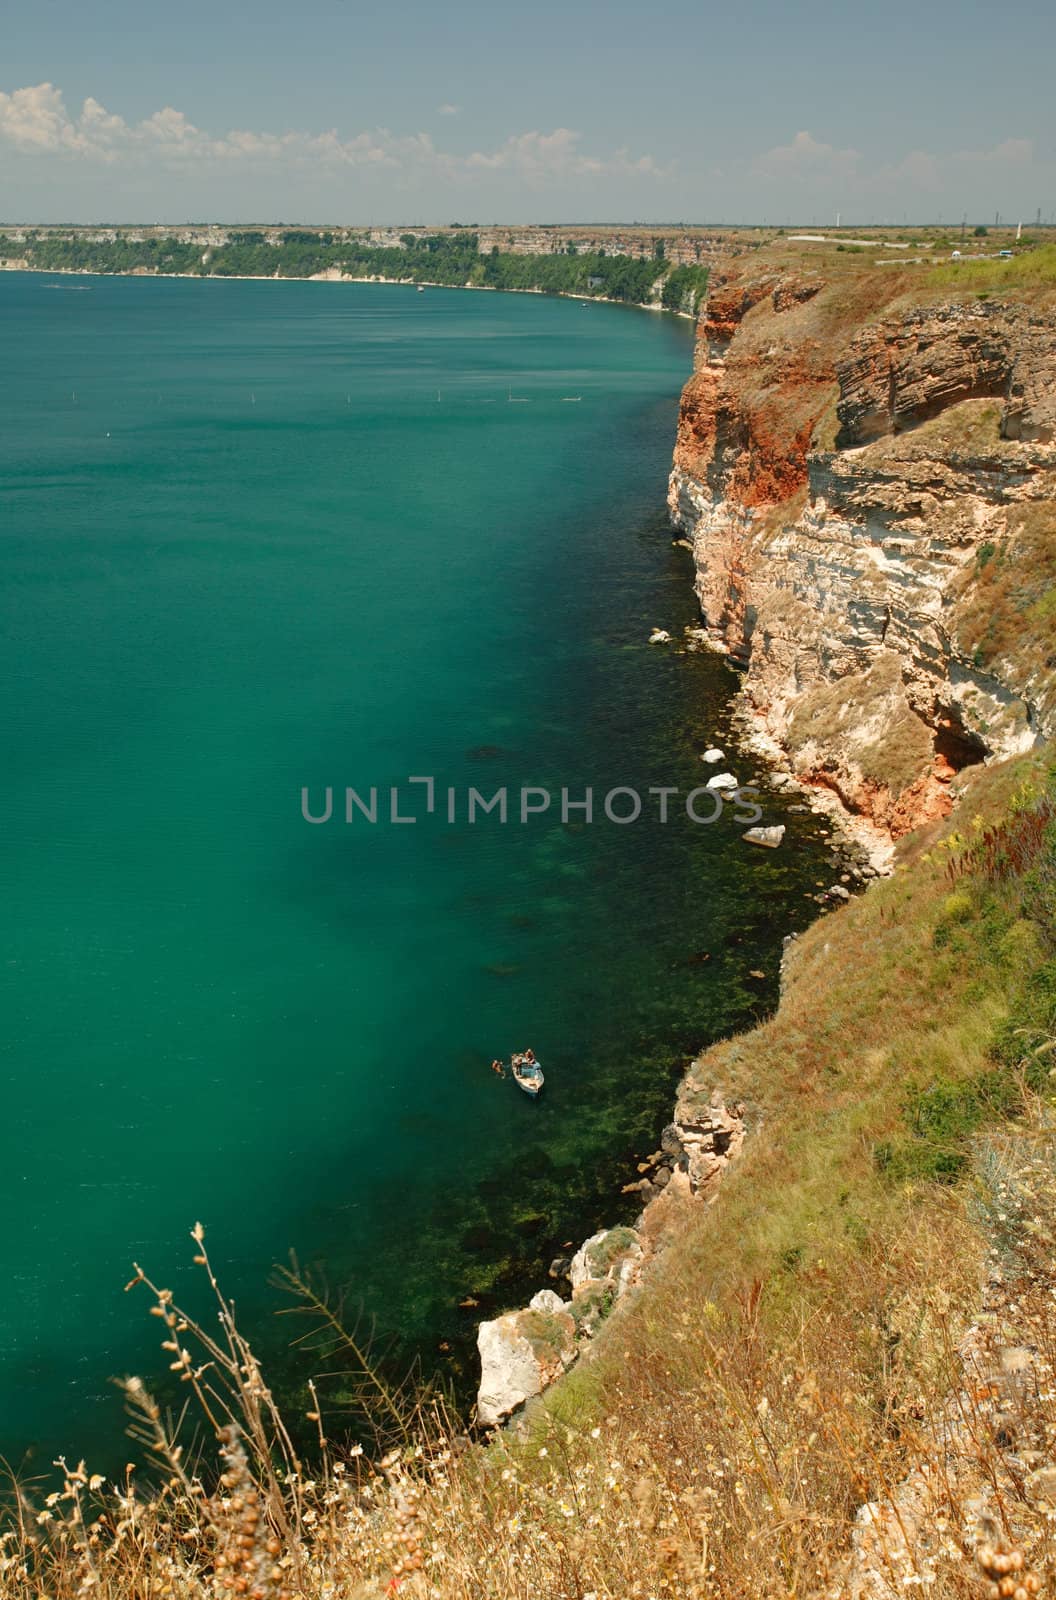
730 1455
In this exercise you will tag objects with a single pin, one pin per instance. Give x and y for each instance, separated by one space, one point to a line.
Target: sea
259 540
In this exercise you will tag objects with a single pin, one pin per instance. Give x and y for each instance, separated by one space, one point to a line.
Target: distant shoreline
327 277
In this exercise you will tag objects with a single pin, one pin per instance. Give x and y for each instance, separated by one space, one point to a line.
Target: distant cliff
658 268
867 473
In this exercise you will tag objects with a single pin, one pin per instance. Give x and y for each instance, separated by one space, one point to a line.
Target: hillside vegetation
1033 269
442 258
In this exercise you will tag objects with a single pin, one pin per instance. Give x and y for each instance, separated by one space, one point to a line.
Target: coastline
608 1172
333 277
861 701
701 1137
526 1351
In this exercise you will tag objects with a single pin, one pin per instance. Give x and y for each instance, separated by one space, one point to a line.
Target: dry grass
865 716
971 428
1009 613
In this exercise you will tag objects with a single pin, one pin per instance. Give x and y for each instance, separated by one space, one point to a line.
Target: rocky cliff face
869 488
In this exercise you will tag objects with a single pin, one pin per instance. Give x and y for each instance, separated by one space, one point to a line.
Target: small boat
571 399
421 288
528 1075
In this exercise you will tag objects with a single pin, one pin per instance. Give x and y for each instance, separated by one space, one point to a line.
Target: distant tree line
452 259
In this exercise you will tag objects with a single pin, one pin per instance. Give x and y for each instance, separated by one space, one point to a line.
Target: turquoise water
257 536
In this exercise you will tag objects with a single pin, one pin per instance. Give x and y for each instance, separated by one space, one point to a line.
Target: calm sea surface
255 536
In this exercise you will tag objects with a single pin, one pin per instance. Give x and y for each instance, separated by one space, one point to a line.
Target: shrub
941 1119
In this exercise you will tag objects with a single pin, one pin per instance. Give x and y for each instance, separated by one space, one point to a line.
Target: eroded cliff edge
866 470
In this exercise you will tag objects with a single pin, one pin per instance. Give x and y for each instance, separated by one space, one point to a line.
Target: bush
941 1120
957 909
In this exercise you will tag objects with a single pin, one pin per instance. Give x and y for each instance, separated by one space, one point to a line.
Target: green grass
1029 269
899 1040
940 1119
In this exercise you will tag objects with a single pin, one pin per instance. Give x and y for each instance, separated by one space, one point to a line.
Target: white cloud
918 171
1011 152
448 110
926 173
807 159
536 156
35 121
809 163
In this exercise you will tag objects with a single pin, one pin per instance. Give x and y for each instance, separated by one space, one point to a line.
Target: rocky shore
856 476
522 1352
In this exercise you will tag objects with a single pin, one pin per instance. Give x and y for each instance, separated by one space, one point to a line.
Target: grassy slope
822 1265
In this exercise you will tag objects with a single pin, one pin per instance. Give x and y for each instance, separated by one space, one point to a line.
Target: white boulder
521 1353
768 837
547 1300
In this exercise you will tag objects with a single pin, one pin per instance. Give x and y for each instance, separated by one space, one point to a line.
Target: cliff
866 469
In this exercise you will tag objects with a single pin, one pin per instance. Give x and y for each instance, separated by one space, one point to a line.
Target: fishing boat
528 1075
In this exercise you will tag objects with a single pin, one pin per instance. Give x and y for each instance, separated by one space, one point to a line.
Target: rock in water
770 837
659 636
713 754
724 780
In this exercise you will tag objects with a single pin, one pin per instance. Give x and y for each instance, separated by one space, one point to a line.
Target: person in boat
529 1058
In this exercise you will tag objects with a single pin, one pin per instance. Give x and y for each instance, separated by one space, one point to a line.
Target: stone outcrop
706 1137
898 374
520 1353
851 471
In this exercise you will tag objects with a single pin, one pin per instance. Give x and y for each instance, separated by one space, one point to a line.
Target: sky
558 110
